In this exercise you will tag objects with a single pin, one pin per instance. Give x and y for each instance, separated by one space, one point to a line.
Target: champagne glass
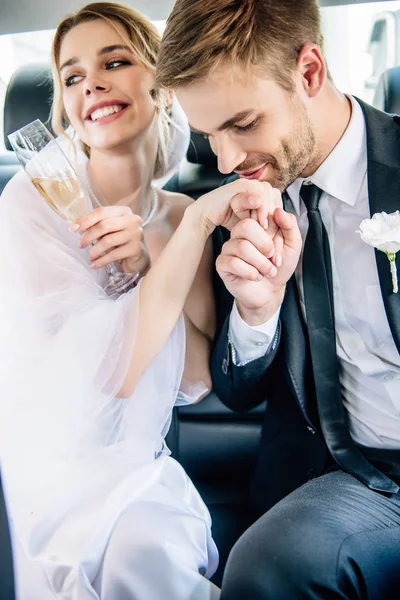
55 179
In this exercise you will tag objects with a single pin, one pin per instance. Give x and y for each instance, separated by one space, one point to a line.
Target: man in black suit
308 318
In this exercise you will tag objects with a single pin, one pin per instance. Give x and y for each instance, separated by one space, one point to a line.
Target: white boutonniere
383 233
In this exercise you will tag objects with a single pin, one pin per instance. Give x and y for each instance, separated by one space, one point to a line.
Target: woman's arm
163 293
199 313
164 290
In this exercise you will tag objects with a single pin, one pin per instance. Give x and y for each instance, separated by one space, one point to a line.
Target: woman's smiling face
105 87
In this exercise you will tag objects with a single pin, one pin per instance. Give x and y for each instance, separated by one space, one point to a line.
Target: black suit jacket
292 449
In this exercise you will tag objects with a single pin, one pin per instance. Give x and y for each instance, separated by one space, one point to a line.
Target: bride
87 382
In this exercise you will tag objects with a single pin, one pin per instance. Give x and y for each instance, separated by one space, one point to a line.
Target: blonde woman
87 382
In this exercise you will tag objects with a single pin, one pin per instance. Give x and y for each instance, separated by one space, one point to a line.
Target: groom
318 334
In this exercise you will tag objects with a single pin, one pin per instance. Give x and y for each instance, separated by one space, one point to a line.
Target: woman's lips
108 118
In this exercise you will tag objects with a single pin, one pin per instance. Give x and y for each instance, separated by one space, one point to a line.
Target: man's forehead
209 102
226 77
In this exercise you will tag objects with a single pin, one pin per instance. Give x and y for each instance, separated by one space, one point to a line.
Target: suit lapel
383 167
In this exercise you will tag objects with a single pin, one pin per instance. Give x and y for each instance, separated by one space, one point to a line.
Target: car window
361 41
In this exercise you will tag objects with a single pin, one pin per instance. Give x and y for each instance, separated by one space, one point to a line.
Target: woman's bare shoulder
174 205
176 200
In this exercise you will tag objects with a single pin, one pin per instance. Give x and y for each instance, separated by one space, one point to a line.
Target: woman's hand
241 199
117 235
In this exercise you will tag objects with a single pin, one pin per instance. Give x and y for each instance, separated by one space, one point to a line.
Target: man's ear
312 69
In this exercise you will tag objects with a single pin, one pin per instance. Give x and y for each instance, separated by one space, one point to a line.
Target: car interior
217 447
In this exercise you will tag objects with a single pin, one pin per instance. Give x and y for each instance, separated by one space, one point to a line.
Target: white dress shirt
369 362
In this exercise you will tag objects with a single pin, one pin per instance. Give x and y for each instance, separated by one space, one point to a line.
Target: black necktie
318 299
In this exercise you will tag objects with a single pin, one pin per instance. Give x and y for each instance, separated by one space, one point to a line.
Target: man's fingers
287 223
252 231
247 252
232 266
269 223
278 243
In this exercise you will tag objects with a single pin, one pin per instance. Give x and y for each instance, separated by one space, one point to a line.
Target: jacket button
225 366
311 429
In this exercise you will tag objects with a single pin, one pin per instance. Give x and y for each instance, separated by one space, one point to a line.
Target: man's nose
229 155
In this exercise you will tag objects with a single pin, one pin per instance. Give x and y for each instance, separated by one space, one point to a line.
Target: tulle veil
64 351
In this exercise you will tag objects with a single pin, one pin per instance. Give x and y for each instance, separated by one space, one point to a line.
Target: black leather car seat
28 97
387 93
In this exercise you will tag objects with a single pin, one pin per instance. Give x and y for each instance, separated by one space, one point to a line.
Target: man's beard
293 156
297 154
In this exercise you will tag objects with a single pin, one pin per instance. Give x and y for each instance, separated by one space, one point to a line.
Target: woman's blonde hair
144 40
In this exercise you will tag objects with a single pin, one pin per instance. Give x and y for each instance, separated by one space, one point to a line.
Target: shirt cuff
250 342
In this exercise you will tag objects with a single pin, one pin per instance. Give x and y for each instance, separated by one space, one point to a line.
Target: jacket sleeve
240 387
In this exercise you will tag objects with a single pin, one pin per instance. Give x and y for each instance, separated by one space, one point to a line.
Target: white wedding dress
98 509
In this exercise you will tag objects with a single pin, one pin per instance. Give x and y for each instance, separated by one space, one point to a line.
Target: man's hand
256 263
118 236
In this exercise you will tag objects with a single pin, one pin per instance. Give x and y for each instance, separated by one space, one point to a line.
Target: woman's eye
243 128
71 80
117 63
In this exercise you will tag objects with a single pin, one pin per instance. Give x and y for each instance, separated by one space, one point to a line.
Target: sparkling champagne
64 195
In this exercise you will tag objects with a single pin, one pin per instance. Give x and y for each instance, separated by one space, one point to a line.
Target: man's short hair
262 35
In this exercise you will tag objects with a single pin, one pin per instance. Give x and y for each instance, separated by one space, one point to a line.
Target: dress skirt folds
98 509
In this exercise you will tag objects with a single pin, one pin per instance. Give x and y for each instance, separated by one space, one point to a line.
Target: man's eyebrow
229 123
106 50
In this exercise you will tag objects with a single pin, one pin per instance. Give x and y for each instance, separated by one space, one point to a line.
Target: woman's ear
169 96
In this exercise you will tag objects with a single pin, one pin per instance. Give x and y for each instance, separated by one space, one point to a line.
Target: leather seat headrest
387 94
28 97
199 151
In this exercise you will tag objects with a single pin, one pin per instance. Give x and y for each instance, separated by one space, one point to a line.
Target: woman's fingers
114 240
246 205
259 204
115 255
98 215
131 224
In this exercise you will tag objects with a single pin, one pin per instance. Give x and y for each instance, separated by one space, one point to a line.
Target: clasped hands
255 263
262 252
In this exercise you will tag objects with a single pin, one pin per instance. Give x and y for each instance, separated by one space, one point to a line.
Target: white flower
383 233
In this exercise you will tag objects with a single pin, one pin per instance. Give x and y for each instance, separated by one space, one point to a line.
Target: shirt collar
342 172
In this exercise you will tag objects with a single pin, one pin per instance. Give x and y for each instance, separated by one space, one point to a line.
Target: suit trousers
333 538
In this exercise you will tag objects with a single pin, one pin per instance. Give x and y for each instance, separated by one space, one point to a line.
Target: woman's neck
124 176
